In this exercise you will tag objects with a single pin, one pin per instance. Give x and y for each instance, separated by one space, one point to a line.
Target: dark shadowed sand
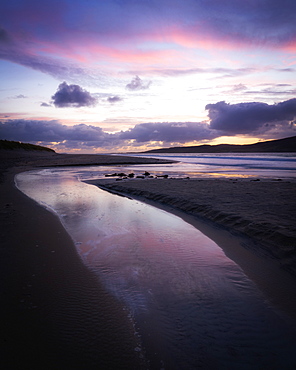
55 313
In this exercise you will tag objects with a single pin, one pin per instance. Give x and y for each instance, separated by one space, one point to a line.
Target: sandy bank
44 159
261 210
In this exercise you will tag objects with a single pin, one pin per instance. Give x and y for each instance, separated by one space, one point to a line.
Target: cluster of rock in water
122 176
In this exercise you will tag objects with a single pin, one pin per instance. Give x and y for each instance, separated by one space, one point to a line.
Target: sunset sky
128 75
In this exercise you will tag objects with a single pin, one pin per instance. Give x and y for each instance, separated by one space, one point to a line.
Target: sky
94 76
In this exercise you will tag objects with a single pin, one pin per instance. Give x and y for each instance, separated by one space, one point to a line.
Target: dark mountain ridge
276 146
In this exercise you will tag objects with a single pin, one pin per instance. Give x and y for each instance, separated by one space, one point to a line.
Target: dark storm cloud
169 132
246 118
138 84
72 96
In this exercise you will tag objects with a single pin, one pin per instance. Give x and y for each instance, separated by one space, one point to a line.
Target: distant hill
16 145
278 146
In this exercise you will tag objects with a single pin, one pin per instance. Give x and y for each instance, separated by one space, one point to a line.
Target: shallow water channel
192 306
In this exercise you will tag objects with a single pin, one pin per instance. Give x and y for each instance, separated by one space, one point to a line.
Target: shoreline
260 210
272 269
55 312
44 289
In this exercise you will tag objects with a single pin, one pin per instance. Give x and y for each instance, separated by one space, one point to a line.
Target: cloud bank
51 131
248 118
169 132
72 96
253 119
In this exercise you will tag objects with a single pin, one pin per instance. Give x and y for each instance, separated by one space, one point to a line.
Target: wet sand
44 283
54 312
261 210
254 222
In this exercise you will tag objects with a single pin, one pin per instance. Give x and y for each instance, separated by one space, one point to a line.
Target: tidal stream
192 307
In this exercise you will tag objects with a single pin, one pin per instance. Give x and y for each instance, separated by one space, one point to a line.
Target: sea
264 165
199 165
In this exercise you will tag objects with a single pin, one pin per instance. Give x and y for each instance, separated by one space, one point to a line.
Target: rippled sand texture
59 314
191 305
55 313
261 210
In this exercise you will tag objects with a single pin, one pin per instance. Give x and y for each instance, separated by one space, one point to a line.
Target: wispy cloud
17 51
260 22
218 72
114 99
20 96
43 104
137 84
274 89
119 30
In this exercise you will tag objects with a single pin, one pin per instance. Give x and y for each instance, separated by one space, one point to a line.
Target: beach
261 210
252 220
46 284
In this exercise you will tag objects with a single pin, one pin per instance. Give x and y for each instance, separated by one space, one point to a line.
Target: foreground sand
54 312
42 291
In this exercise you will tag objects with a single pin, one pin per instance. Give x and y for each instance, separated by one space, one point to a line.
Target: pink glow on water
184 295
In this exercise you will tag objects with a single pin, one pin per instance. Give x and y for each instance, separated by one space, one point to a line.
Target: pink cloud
90 51
43 35
203 38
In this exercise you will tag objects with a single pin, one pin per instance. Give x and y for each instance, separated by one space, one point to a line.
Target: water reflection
193 306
